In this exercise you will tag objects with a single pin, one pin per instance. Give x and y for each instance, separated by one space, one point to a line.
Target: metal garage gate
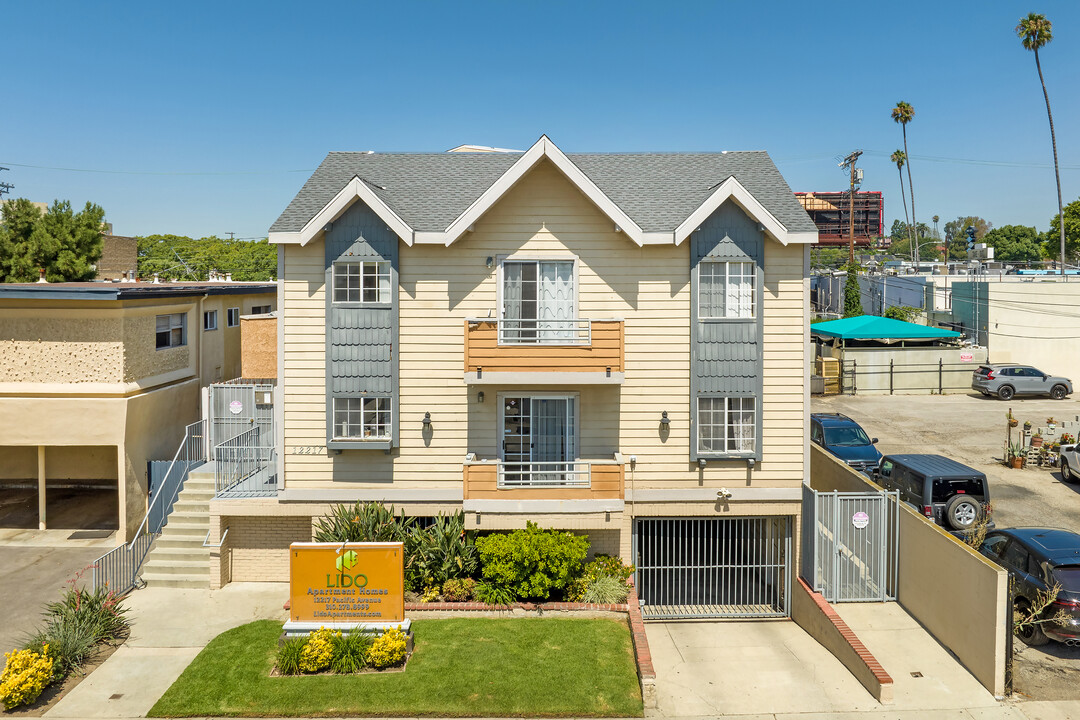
713 567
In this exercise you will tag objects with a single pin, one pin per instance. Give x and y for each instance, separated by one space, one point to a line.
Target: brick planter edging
513 606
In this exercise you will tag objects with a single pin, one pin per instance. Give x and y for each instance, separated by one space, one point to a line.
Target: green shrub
458 589
388 649
289 654
492 594
319 648
532 562
601 565
442 551
349 652
606 590
26 674
364 522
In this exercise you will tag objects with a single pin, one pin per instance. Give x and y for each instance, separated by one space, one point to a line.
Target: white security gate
713 567
236 408
849 550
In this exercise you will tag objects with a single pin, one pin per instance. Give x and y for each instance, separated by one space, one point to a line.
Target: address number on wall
309 450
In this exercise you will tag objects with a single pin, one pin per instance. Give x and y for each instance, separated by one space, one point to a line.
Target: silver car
1007 381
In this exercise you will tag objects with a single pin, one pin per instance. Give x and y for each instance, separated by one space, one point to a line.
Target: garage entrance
81 490
713 567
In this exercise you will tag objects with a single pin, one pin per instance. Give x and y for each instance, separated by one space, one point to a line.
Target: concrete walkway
169 626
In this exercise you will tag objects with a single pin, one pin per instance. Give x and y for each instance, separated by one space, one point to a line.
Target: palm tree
900 157
903 113
1035 31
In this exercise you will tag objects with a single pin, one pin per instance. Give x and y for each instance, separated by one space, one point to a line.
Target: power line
160 172
974 161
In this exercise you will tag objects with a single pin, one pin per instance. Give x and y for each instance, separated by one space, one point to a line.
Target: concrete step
194 553
197 492
176 581
184 505
181 528
177 542
161 566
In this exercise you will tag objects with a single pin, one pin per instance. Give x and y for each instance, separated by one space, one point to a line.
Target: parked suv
1005 381
1038 559
843 437
949 493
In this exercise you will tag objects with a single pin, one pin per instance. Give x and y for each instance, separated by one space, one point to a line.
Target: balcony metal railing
545 332
544 474
245 466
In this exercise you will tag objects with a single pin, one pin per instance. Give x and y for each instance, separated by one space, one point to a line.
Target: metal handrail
206 541
577 331
574 473
192 431
240 459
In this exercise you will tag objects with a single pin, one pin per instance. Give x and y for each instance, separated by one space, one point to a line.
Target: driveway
971 429
37 566
773 666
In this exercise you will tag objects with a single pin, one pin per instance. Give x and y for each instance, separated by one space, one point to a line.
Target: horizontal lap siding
440 287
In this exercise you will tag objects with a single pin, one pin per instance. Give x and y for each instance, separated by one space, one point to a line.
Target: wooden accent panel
482 350
481 483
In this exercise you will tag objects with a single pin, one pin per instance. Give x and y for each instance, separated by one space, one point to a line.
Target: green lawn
469 667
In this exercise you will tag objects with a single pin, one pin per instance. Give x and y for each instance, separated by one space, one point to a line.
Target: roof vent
41 275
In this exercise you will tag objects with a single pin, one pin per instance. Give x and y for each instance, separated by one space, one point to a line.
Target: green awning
872 327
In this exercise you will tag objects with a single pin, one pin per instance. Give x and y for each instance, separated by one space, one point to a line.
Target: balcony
576 480
544 352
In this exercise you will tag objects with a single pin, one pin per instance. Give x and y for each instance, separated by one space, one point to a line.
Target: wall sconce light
490 262
427 420
701 463
664 418
480 396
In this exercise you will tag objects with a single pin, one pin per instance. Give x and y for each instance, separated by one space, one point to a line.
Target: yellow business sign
346 582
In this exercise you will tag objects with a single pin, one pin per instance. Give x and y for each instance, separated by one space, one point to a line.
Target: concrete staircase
178 558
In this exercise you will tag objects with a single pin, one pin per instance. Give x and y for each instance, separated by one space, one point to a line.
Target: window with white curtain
362 418
539 302
366 282
726 425
725 290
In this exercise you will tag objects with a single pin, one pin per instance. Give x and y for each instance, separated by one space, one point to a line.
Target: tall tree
957 229
900 157
177 257
1035 31
852 292
1014 243
1071 216
66 244
904 113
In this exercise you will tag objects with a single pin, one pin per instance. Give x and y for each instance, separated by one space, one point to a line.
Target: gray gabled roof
657 190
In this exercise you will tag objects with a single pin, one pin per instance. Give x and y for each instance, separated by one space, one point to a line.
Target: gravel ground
971 429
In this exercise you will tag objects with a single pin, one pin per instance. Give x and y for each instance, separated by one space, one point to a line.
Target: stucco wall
142 359
954 592
258 346
51 347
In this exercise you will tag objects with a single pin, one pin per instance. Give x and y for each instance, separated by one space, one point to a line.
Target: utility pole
5 187
849 164
230 235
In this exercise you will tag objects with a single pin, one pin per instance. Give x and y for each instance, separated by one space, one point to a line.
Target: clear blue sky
208 116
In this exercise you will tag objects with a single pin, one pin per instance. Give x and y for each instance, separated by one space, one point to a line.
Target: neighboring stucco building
98 378
609 343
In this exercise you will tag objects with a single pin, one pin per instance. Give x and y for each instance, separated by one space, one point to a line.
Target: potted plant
1051 423
1013 422
1036 440
1027 426
1016 456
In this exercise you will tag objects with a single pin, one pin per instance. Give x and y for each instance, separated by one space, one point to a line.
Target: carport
60 487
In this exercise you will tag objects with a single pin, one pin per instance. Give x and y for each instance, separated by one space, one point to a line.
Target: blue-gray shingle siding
726 354
360 339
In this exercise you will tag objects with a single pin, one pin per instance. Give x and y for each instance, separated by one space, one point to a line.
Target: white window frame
368 429
232 317
176 321
730 444
209 320
382 270
577 336
727 274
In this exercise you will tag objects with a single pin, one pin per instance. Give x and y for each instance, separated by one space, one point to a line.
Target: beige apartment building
609 343
98 378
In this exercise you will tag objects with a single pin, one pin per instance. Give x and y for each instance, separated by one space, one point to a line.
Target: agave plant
443 551
364 522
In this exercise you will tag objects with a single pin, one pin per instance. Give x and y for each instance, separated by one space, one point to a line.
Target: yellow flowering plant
26 675
318 650
388 650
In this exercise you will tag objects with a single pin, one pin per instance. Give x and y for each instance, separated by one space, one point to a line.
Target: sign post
346 586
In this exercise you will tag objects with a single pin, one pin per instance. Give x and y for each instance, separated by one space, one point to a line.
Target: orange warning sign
346 582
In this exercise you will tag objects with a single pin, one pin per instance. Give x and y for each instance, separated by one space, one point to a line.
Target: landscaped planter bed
467 667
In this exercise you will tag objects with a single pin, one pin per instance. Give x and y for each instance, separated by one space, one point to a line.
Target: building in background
831 213
119 257
98 378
